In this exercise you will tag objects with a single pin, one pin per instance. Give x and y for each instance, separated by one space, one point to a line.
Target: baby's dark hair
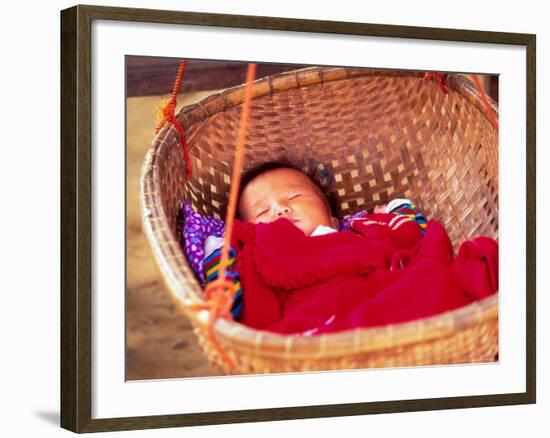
268 166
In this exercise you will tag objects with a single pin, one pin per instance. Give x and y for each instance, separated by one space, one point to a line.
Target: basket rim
357 340
220 101
185 290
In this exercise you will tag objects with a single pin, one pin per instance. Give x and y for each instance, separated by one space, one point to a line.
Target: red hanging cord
220 292
439 78
166 114
488 109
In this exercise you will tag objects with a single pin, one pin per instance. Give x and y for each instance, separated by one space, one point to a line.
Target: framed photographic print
317 216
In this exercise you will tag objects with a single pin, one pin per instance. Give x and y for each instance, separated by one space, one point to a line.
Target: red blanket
381 272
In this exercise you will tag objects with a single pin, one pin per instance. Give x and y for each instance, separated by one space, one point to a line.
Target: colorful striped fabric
211 268
409 209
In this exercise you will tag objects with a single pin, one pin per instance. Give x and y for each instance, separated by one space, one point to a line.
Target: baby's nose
283 210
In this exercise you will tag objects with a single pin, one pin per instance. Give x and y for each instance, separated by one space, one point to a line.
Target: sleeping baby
297 270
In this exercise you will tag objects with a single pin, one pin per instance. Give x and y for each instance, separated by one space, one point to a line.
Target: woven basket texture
369 136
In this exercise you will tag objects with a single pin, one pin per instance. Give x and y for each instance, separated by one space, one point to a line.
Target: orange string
237 170
166 114
177 83
220 292
481 91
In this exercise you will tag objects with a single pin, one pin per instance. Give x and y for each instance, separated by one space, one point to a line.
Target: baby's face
285 193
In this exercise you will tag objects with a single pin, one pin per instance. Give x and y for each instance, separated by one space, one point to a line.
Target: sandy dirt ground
159 340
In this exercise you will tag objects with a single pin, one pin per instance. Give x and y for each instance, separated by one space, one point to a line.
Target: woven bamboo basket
371 136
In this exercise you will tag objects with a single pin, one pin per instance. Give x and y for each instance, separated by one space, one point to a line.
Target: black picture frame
76 217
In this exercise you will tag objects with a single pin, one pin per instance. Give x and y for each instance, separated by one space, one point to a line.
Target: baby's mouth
295 222
291 219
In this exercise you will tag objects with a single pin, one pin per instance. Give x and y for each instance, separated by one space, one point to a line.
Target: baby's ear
334 222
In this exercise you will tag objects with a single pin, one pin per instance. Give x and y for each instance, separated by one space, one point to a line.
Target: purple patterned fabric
344 224
196 229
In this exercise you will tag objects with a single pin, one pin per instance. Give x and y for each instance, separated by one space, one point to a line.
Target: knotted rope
439 78
166 113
